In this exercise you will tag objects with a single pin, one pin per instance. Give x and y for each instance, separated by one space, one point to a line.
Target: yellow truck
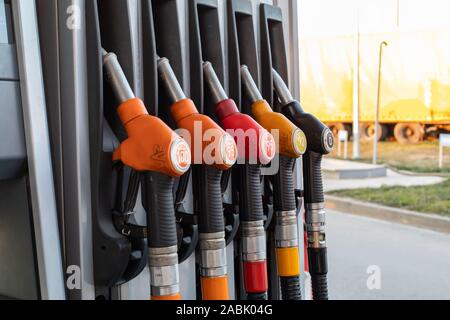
415 83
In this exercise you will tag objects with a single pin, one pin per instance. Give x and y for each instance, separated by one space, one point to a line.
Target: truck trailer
414 90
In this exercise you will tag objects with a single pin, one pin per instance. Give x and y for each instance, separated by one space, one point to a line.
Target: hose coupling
315 225
253 241
164 273
213 254
286 229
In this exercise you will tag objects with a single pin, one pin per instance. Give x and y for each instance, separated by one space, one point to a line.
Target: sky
338 17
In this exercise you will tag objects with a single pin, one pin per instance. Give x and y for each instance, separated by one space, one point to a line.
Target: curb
421 220
419 174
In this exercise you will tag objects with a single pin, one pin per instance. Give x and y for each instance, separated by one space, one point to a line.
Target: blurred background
381 68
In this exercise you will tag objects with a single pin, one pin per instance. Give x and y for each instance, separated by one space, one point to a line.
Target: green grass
427 199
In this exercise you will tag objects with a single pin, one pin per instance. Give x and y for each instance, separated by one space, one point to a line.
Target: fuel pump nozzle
292 145
151 147
207 176
145 133
320 142
292 141
247 185
248 133
187 117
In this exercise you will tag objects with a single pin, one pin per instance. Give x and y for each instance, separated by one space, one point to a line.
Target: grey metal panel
6 32
18 278
42 194
12 137
47 11
8 62
76 156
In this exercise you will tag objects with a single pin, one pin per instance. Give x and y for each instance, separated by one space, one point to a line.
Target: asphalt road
412 263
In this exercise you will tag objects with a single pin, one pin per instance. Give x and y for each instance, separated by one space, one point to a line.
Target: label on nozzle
299 141
229 150
267 146
328 140
180 156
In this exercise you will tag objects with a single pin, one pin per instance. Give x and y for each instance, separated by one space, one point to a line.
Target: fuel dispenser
135 186
320 142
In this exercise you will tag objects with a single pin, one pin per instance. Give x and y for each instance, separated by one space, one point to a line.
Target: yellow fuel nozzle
292 140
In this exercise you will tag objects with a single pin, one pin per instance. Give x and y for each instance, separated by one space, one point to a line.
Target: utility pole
377 110
356 127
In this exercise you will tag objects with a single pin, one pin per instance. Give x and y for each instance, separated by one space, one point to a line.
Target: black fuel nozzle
319 136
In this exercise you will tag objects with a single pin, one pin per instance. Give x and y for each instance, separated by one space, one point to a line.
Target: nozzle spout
170 80
250 85
217 91
116 77
281 88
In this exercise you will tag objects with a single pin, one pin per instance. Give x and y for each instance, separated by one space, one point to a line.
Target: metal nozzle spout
217 91
250 85
281 88
116 77
170 80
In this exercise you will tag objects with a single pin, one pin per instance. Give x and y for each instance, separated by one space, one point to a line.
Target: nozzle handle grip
312 175
159 203
208 199
250 195
320 138
284 186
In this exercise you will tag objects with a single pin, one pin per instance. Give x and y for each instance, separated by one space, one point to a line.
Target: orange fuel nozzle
209 143
292 140
151 145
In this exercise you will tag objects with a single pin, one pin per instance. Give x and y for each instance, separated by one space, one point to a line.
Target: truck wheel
409 133
368 132
336 127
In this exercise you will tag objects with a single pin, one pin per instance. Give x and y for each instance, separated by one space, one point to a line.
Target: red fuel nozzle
254 142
